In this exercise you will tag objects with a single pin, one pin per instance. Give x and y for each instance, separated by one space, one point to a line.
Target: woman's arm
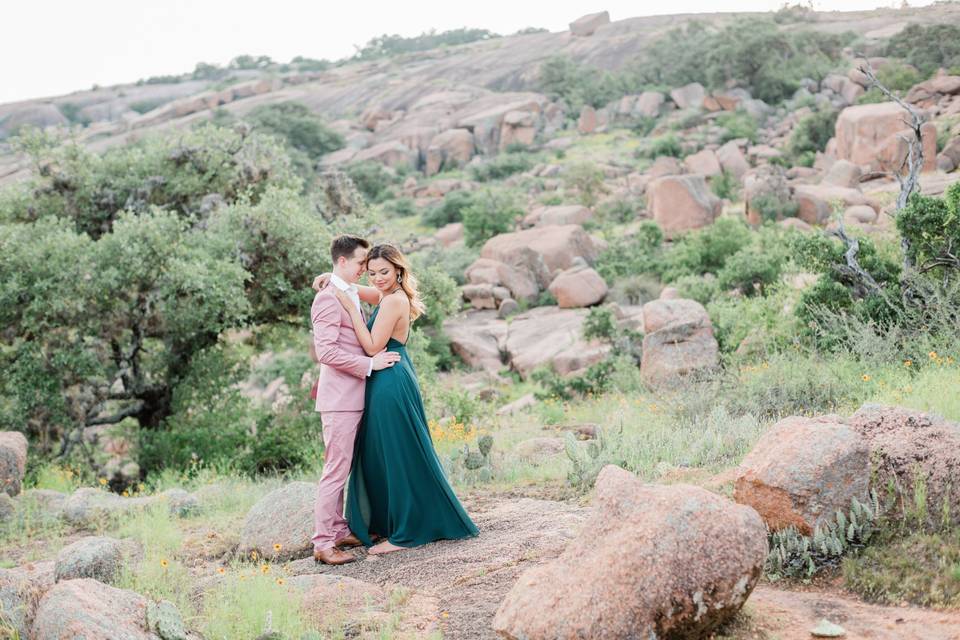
370 295
374 341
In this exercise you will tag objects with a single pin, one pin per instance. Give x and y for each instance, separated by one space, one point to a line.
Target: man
340 392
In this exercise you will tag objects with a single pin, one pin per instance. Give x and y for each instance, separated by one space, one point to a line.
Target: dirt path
789 615
466 580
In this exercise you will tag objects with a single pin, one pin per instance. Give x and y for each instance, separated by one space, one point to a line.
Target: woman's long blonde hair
408 281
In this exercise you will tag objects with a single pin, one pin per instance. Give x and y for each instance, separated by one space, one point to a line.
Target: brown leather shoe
333 556
347 541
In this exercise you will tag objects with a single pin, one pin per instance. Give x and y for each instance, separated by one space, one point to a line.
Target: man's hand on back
385 359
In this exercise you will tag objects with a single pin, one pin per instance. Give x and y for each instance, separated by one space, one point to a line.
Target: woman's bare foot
384 547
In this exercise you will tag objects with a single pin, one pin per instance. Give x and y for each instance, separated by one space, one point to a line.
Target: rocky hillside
412 97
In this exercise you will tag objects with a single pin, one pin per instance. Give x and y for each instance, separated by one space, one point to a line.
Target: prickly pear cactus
164 620
485 443
474 460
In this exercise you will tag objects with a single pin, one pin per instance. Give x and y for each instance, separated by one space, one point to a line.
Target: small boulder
876 136
88 507
587 122
676 562
690 96
860 214
450 234
682 203
906 445
449 149
86 608
285 517
520 404
555 246
558 215
578 287
508 307
732 159
478 338
20 590
97 557
843 173
549 335
802 471
815 201
536 450
13 461
588 24
676 351
704 162
522 281
669 310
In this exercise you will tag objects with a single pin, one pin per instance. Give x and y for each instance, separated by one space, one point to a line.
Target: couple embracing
374 427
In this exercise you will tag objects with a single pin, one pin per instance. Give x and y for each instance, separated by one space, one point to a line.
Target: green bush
632 255
143 106
451 260
172 172
304 133
586 179
619 210
725 186
600 323
927 47
401 208
501 166
562 78
154 278
665 145
771 208
450 209
702 288
492 213
750 270
719 57
372 179
393 45
706 250
737 124
813 132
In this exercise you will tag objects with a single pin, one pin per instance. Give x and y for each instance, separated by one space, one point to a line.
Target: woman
397 488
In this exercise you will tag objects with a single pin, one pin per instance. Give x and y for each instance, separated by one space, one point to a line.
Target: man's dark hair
344 245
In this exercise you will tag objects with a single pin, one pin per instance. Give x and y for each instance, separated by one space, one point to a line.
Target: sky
53 47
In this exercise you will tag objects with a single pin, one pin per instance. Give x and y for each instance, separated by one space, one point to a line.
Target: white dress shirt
354 294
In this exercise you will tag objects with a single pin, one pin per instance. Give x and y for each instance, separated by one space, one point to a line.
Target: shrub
393 45
718 57
450 209
750 270
725 186
702 288
501 166
737 124
771 207
927 47
600 323
298 127
813 132
619 210
401 208
632 255
706 250
665 145
143 106
635 290
586 179
372 179
451 260
492 213
562 78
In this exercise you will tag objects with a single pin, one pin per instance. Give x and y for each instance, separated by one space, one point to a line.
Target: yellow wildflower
866 377
164 563
933 355
908 363
265 569
221 570
277 547
103 481
280 581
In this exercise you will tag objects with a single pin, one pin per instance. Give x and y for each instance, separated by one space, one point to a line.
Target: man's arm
325 315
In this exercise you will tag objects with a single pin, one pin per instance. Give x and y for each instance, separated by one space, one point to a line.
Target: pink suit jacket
343 363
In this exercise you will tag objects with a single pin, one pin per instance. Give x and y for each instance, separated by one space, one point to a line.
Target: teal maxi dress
397 486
